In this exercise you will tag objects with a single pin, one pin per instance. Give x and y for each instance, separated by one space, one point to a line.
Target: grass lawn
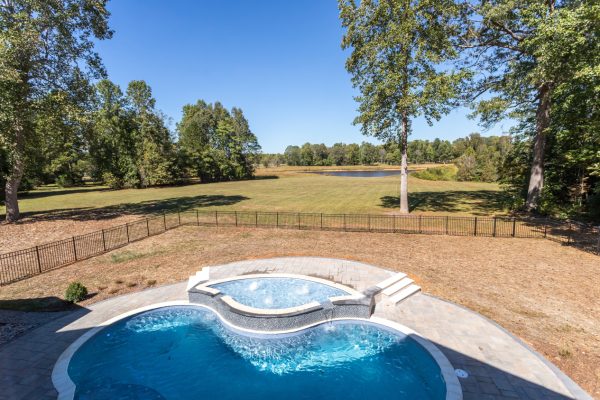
52 213
275 189
555 312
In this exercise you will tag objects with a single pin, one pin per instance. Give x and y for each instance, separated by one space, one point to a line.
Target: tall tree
526 51
43 46
218 144
398 51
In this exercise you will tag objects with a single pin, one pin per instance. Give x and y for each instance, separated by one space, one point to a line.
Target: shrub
75 292
443 173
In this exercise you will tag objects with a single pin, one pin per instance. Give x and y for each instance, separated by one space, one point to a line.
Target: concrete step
396 287
391 280
200 277
404 293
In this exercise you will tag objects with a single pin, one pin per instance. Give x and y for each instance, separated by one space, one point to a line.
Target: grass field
275 189
52 213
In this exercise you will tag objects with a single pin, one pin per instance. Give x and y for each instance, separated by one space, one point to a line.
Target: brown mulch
545 293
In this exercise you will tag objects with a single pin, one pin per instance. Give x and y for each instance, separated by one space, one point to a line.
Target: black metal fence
25 263
22 264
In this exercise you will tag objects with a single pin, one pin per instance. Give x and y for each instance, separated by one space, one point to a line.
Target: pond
361 174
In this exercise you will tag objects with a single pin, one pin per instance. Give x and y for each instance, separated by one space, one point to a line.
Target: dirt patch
543 292
38 230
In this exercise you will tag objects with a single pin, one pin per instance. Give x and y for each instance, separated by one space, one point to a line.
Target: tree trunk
536 177
14 178
404 166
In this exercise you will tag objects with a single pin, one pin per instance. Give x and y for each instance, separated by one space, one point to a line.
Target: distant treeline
122 140
477 158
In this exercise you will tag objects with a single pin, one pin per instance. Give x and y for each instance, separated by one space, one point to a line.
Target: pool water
273 292
186 353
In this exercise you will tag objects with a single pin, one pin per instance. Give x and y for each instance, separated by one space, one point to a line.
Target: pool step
200 277
391 280
404 293
396 287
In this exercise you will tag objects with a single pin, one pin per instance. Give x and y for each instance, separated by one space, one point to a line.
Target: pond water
361 174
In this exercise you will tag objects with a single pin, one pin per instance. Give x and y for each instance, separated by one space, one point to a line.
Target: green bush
443 173
75 292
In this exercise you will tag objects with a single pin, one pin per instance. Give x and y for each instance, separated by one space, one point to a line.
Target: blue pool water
186 353
271 293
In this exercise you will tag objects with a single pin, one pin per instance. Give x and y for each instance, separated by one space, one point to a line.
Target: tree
352 154
292 155
306 155
525 52
369 154
398 51
217 144
43 47
337 154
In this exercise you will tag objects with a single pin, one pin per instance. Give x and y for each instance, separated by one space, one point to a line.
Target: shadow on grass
47 192
141 208
261 177
478 202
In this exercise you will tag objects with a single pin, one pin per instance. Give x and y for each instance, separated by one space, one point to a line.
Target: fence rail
25 263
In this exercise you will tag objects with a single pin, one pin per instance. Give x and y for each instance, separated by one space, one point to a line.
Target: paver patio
499 365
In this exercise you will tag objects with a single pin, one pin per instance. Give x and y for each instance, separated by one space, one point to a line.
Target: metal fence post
179 217
569 239
298 215
475 228
321 221
344 222
103 240
256 218
369 221
447 225
514 227
37 253
494 232
236 220
127 231
74 248
277 223
147 227
546 228
420 223
165 220
216 218
393 224
197 218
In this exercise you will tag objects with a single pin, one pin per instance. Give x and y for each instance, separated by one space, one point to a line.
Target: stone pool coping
208 288
350 304
66 387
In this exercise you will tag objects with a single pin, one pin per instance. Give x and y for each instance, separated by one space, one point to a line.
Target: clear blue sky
279 60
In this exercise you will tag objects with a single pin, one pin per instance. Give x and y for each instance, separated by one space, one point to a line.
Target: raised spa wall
353 305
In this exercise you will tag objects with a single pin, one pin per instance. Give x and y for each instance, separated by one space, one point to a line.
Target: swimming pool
185 352
278 292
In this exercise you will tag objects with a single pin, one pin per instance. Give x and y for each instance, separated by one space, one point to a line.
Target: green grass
280 191
443 173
